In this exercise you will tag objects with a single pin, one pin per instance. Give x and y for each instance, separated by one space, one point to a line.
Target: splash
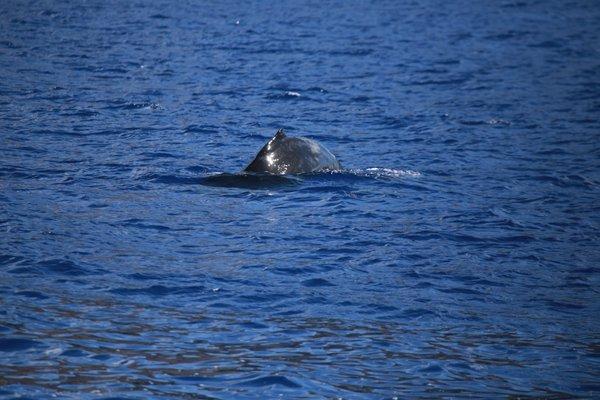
388 172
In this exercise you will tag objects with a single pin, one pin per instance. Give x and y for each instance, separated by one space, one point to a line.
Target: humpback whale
292 155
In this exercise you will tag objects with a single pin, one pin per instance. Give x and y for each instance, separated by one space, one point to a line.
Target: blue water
458 253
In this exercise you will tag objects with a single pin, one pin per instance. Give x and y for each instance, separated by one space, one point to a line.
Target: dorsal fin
258 164
279 135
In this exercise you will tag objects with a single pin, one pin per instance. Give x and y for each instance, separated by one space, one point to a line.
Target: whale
283 155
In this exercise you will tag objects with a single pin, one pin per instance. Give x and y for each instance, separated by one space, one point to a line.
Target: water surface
457 255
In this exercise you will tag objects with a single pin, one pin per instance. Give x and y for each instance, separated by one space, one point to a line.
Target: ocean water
457 255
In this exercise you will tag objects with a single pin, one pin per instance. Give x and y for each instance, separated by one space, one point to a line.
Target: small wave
287 95
17 344
149 155
79 113
434 82
270 381
55 266
172 179
388 172
249 181
498 121
136 223
352 52
146 105
157 290
547 44
8 44
74 353
492 121
202 129
9 259
316 282
32 294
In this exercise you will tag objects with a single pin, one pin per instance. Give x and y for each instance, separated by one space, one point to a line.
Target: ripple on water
32 294
388 172
158 290
289 96
455 256
317 282
270 381
17 344
53 266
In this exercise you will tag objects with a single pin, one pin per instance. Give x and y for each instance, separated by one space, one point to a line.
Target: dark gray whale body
292 155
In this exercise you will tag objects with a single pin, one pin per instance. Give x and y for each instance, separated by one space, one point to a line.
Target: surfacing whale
292 155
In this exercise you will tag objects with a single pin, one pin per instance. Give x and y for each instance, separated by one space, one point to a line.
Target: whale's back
292 155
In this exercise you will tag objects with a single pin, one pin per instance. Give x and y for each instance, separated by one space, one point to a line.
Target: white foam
153 106
53 351
295 94
391 172
498 121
